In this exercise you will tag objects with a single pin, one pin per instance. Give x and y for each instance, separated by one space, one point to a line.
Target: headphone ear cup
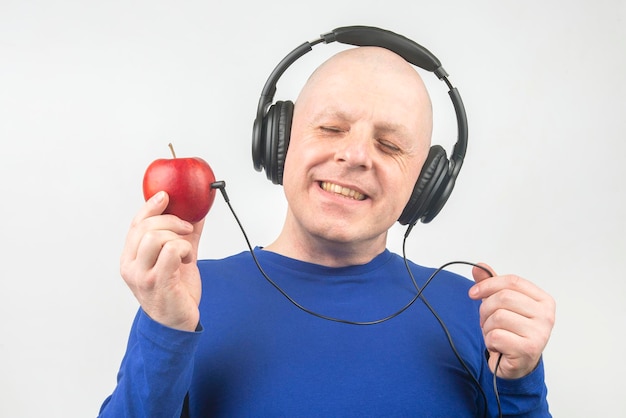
277 133
431 181
284 135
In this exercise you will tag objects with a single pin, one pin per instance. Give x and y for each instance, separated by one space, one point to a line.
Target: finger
503 341
172 255
163 271
482 271
181 232
151 246
492 285
516 362
194 237
504 319
509 300
165 277
142 225
155 205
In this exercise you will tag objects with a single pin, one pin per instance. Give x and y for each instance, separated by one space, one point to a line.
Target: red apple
187 181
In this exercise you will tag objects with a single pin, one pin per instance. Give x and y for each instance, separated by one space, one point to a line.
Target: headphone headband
413 53
369 36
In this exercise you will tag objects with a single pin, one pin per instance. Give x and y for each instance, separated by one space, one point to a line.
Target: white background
92 92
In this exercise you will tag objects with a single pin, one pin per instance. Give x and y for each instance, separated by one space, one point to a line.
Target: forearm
523 397
155 374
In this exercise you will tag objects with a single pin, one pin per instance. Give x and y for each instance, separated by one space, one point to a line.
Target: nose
354 150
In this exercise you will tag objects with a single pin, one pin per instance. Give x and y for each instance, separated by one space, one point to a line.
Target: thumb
482 271
194 240
197 233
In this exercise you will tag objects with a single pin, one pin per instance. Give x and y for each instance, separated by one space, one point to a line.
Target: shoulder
437 276
236 261
444 288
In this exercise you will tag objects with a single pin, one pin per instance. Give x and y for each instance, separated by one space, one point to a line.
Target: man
360 135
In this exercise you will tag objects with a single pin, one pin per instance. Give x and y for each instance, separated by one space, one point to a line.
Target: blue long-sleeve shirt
256 355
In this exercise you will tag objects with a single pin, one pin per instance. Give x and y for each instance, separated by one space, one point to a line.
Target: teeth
344 191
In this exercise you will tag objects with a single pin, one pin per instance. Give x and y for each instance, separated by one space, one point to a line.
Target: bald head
359 137
372 72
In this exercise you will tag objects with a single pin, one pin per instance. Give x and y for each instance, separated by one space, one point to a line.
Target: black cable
440 321
222 186
298 305
495 384
445 328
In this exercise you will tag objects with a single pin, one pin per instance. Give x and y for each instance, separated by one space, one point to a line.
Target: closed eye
389 147
331 130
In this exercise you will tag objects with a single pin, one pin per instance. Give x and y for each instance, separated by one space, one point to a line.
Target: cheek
295 169
405 194
412 176
403 189
302 155
290 168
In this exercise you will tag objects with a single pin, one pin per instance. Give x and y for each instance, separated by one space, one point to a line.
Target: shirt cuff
530 384
166 338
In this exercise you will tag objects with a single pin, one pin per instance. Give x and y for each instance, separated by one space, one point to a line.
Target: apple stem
172 149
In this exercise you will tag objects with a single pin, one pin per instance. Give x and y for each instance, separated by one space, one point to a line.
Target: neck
301 245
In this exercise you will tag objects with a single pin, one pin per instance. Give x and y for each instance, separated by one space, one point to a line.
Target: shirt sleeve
524 397
155 373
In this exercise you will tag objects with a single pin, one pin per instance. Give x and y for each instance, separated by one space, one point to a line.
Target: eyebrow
391 127
331 113
383 127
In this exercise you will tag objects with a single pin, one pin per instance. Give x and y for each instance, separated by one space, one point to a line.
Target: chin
352 235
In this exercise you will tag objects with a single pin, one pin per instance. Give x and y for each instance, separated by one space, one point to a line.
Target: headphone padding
283 133
269 121
433 172
277 128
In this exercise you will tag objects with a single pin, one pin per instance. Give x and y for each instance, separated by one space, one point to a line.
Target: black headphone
272 126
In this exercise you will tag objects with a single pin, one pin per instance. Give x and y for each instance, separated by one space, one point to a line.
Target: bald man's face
360 135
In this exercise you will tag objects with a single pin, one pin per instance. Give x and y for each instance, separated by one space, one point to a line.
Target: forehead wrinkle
319 97
332 112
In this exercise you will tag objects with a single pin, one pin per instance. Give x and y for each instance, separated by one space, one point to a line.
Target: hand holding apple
187 181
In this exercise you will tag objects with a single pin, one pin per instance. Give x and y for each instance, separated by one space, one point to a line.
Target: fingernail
474 291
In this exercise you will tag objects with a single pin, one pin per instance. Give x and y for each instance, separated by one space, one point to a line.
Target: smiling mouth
343 191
